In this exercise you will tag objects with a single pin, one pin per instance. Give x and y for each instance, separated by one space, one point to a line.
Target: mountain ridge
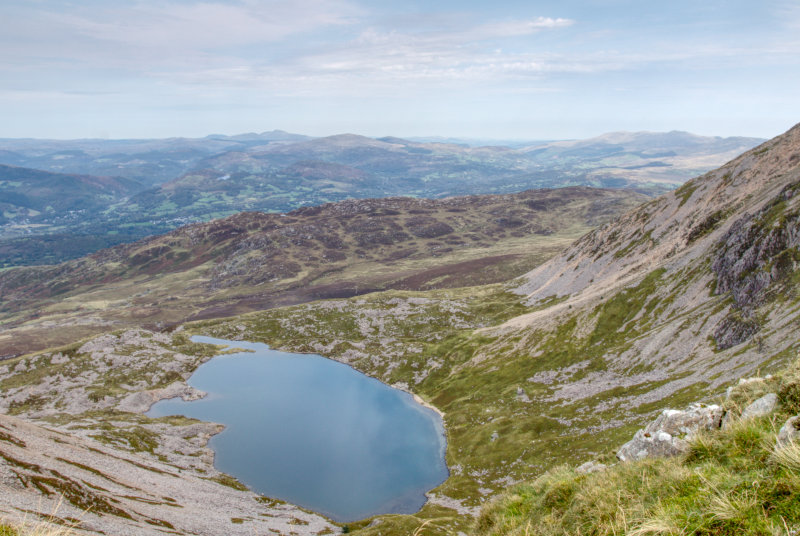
254 260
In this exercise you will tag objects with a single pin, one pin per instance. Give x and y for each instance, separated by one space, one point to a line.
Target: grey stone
763 406
667 434
789 432
591 467
647 445
687 422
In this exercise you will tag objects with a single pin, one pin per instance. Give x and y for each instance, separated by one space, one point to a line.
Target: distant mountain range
158 185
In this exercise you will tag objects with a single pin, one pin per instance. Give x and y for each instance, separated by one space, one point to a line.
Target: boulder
789 432
763 406
668 434
687 422
647 445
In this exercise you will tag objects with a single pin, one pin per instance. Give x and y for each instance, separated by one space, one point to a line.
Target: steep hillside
736 475
255 261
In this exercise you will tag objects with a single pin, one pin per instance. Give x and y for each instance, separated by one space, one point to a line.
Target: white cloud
207 25
788 13
516 28
149 34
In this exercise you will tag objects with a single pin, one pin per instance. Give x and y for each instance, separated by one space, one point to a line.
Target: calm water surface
315 432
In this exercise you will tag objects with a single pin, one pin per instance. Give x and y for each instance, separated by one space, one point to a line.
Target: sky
529 70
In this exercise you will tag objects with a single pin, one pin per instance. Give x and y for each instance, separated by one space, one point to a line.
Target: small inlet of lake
315 432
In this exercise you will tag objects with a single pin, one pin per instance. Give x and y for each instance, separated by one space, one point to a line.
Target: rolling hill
253 261
193 180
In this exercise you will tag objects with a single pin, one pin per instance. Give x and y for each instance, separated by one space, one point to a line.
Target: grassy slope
732 481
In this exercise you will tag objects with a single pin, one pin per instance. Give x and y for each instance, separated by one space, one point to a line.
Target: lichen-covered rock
651 445
668 434
789 432
763 406
687 422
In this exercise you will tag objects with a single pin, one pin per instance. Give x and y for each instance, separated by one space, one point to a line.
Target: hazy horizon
507 70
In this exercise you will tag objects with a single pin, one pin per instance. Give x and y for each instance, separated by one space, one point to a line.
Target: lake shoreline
302 394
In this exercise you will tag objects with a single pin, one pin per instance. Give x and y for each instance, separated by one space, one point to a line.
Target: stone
789 433
591 467
59 359
667 435
763 406
141 401
687 422
646 445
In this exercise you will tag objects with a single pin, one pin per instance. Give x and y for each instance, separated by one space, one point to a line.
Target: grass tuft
732 481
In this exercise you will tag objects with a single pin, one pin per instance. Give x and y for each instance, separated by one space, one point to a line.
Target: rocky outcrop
756 252
101 490
141 401
668 434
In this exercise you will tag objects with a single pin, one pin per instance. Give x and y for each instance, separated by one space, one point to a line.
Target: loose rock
789 432
763 406
668 434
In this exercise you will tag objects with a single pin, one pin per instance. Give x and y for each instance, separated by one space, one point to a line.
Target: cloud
787 13
516 28
148 34
320 47
208 25
378 57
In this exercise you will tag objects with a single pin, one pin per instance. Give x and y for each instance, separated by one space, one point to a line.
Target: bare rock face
789 432
756 251
763 406
668 434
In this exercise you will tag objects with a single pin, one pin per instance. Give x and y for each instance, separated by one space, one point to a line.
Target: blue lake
316 433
